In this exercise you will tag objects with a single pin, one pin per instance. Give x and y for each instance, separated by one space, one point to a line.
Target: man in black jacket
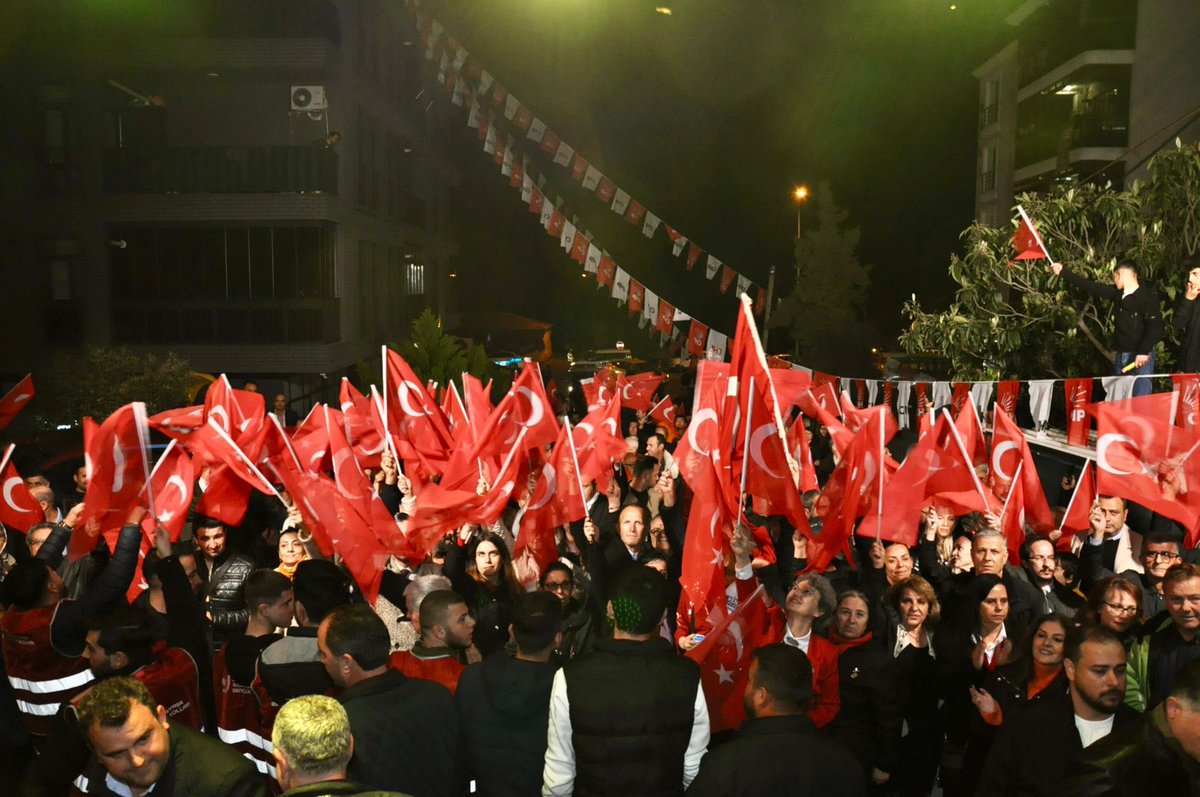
137 747
224 573
777 749
504 703
312 749
1187 320
1035 748
405 729
1158 754
1137 326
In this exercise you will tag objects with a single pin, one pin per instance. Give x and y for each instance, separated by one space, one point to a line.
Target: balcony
220 170
249 321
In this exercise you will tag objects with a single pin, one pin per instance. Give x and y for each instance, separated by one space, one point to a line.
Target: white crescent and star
706 414
9 484
536 413
402 391
551 488
998 456
119 463
1102 445
756 440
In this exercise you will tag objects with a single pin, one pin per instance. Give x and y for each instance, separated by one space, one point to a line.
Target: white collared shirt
797 641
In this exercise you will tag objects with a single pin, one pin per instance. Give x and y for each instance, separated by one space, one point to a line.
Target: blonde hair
313 734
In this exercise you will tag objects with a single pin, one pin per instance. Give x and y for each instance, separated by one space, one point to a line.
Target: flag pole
746 449
1037 235
1012 488
879 503
143 433
237 450
383 363
387 437
1074 493
575 461
962 447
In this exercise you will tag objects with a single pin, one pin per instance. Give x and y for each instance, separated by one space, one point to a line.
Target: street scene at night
598 397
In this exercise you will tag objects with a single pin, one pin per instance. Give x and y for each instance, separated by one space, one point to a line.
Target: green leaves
1013 319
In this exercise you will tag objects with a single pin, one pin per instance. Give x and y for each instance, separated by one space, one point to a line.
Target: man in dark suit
777 749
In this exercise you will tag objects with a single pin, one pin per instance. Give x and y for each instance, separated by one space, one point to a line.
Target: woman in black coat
488 583
872 696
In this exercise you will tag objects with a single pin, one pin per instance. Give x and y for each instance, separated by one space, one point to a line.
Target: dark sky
709 117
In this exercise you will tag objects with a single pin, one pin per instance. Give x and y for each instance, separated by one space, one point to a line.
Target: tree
103 379
1014 320
438 357
824 312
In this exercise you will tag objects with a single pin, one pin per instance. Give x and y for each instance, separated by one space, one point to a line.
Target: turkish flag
598 444
1079 398
1140 456
115 456
456 413
19 509
1006 396
797 442
1009 448
839 436
760 457
412 413
1079 508
971 432
855 488
664 412
555 499
525 406
791 384
172 482
599 390
476 397
311 439
706 542
217 448
724 654
1012 518
237 412
178 423
637 390
359 427
1186 387
1026 241
441 509
15 399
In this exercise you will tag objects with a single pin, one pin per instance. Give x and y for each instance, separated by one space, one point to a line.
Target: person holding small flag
1137 322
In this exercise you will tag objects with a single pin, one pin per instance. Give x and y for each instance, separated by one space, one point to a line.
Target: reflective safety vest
174 682
239 719
42 678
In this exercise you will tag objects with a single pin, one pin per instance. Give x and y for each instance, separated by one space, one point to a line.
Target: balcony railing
220 170
247 321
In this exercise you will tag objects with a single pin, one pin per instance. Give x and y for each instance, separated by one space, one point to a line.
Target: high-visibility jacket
42 677
174 681
239 720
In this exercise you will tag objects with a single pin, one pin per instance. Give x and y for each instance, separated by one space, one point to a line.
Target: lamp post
800 194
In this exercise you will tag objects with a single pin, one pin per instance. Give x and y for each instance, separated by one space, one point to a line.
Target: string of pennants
1077 394
503 124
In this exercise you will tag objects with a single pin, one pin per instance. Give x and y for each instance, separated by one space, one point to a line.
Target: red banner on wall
1079 398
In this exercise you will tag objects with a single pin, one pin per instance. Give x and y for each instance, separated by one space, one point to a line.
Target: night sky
710 116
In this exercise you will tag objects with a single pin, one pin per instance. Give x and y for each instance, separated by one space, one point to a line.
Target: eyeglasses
1166 556
1119 609
557 586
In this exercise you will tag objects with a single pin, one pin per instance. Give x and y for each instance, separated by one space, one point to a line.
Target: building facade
1087 90
259 187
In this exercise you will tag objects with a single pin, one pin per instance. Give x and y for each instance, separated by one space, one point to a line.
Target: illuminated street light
800 193
664 10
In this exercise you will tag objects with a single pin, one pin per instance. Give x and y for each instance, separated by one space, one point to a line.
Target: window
414 277
987 168
989 102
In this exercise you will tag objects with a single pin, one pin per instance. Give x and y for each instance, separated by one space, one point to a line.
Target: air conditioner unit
308 98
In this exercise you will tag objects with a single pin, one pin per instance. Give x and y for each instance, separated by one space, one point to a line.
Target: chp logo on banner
1006 396
1186 387
1079 398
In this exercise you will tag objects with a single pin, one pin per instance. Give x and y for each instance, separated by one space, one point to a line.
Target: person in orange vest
269 598
43 636
446 630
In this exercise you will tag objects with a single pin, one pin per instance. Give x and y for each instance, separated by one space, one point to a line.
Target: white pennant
1040 391
678 244
511 105
592 263
567 239
718 342
981 394
743 284
903 394
650 225
711 267
485 81
526 185
620 290
537 130
650 306
564 155
940 394
591 178
872 391
620 202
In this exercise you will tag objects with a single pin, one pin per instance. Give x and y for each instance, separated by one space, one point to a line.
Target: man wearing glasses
1169 646
1159 551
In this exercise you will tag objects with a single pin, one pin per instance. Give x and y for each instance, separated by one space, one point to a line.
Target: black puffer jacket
504 709
872 711
223 597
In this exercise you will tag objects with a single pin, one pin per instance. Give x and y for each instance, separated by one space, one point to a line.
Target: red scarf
845 644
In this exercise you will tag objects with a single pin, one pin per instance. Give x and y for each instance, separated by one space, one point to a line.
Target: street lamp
800 194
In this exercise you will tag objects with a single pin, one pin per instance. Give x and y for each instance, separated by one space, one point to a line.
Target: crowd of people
248 663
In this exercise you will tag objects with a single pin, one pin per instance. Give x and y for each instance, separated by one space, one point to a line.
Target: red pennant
606 271
605 190
579 168
666 316
1079 398
522 119
692 256
550 142
697 339
637 296
1187 388
1006 396
728 276
635 213
1026 241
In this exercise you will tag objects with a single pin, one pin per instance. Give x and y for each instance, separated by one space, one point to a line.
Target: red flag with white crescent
19 509
15 399
637 390
115 455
